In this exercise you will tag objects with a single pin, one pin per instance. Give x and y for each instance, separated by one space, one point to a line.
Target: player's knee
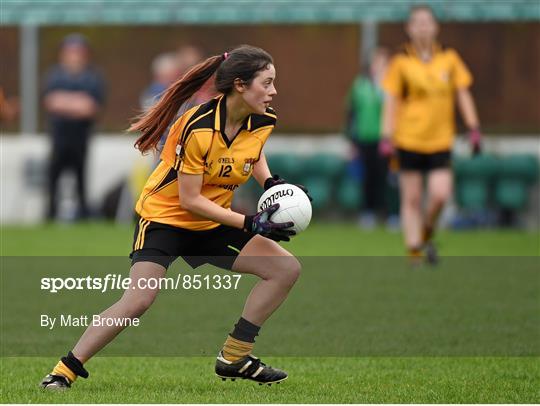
290 272
440 197
413 202
295 271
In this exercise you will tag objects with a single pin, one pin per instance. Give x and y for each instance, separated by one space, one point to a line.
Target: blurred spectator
169 67
364 107
73 97
189 56
9 107
421 84
165 71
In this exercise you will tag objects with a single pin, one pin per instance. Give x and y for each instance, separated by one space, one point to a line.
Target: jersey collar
411 50
221 119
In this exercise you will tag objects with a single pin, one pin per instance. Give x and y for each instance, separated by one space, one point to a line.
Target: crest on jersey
248 166
444 76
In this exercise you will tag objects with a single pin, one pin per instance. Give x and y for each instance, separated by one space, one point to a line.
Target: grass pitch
105 239
312 379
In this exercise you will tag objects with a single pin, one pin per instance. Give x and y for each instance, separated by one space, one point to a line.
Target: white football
294 205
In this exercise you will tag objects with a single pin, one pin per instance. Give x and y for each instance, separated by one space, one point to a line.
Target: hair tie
225 55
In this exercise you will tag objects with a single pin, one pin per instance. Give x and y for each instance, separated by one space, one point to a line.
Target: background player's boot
55 382
249 367
432 256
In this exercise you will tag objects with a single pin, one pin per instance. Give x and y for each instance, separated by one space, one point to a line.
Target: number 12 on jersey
225 170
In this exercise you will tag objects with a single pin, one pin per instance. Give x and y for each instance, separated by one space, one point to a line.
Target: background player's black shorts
414 161
163 243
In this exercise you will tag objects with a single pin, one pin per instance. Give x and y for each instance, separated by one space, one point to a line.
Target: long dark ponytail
153 123
241 63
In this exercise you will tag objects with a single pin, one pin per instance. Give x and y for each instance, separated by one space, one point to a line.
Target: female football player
185 210
418 120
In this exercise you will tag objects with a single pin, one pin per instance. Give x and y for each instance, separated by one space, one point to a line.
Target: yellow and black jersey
425 90
197 144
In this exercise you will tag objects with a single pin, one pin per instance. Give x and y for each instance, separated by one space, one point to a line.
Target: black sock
245 331
75 365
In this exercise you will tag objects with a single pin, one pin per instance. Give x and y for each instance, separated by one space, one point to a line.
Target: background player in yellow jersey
418 125
185 208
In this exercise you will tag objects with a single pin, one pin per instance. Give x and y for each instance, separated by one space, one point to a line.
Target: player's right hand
277 180
260 223
386 148
475 139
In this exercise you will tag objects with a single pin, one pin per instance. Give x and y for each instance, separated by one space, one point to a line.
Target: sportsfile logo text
118 282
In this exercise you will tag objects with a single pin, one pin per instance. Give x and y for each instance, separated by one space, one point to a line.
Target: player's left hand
261 223
475 139
276 180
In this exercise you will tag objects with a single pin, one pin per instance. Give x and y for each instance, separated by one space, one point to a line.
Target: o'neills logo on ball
270 200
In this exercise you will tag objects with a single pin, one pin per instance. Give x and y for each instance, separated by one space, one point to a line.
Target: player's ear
240 85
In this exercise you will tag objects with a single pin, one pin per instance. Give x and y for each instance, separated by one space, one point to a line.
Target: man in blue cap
73 98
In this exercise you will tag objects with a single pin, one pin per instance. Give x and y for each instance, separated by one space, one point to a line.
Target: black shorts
415 161
163 243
